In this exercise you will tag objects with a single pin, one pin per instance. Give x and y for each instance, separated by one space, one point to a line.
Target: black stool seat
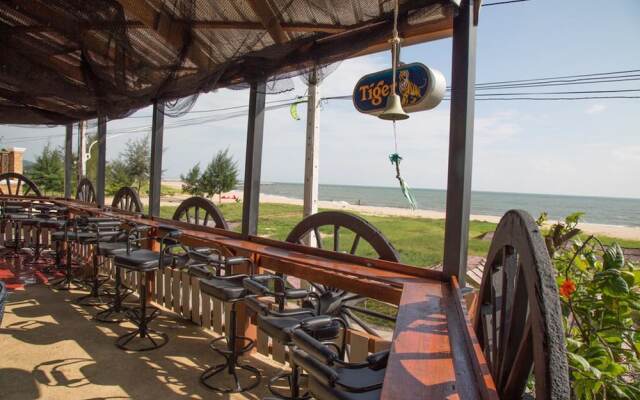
141 260
227 289
74 236
279 328
52 223
110 249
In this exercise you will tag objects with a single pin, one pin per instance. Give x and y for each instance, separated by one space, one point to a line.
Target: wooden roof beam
170 30
269 19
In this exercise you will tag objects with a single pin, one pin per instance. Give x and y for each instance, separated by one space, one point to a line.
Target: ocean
599 210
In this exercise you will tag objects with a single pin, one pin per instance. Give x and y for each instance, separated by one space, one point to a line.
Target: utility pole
312 153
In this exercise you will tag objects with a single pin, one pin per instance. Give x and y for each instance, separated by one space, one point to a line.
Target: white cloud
596 108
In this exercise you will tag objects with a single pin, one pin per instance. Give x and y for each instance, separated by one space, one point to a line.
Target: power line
565 76
499 3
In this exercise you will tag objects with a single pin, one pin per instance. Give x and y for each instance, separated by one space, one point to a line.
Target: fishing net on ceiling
70 60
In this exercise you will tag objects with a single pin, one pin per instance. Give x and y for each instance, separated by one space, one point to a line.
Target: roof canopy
69 60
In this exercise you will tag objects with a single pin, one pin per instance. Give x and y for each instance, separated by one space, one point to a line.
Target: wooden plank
175 290
195 300
262 343
429 355
269 20
206 311
168 292
159 288
45 238
216 316
279 352
358 346
227 317
185 280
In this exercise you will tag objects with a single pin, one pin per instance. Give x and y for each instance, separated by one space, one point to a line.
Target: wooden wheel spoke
520 370
18 186
336 238
359 321
513 326
354 246
369 312
316 232
196 212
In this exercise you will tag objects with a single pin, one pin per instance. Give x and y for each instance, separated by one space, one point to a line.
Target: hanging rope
395 159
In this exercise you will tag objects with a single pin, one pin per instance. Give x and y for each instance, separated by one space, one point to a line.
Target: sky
584 147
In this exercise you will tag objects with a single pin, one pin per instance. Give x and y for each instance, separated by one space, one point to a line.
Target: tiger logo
409 91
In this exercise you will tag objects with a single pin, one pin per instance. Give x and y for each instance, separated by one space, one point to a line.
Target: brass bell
393 111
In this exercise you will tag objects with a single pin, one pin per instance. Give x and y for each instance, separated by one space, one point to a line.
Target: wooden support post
155 178
460 142
82 149
68 161
102 161
312 156
253 160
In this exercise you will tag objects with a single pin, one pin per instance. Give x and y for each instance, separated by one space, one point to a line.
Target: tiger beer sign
419 87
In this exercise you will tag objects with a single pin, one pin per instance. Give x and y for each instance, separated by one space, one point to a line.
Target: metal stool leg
231 366
143 333
97 296
116 311
68 280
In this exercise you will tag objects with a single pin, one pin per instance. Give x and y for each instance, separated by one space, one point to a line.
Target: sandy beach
622 232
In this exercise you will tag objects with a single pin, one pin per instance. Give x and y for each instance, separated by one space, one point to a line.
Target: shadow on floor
53 349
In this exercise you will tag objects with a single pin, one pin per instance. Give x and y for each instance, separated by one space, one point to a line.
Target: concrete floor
50 348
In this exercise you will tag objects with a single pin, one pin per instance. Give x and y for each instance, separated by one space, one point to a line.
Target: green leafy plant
221 175
600 294
191 181
48 170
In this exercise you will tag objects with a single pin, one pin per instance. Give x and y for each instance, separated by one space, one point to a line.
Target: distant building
11 160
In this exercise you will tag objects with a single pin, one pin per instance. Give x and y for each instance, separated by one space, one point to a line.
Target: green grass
419 241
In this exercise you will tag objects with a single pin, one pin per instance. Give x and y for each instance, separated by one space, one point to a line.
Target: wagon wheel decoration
359 234
85 191
200 211
14 184
127 199
518 320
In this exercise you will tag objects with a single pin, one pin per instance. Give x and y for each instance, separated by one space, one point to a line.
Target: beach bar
296 303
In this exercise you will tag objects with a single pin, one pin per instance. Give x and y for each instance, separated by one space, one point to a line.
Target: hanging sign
419 87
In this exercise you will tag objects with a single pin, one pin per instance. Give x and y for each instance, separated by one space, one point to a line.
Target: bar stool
49 217
103 229
331 378
12 214
64 238
228 289
116 312
143 261
281 323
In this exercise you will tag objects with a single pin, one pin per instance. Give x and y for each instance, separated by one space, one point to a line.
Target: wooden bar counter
434 351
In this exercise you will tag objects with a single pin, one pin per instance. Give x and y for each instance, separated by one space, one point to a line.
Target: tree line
132 168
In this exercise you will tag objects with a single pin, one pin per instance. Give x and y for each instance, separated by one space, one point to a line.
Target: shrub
600 295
